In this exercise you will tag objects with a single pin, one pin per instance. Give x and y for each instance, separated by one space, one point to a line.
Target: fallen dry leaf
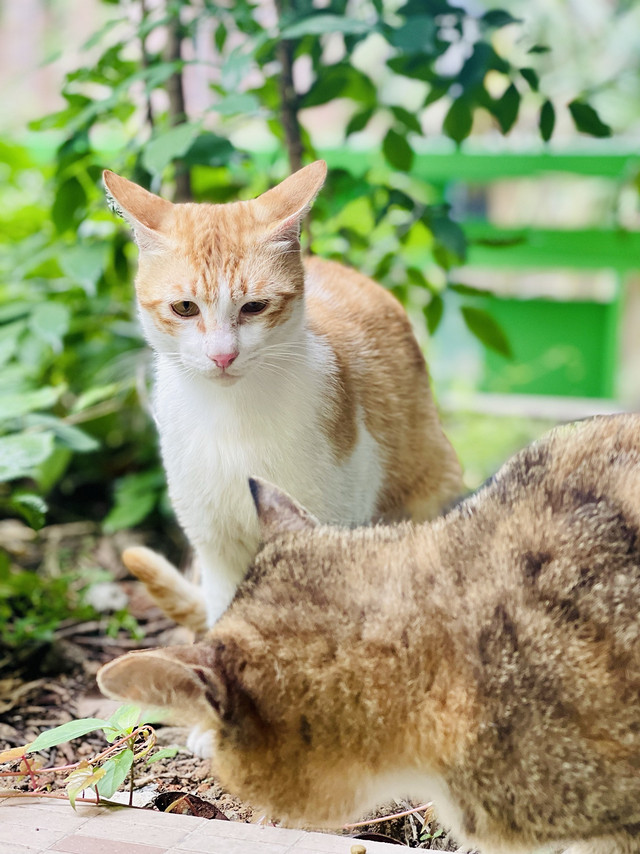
186 804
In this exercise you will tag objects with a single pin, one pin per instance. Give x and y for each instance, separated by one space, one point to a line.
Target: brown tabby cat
489 660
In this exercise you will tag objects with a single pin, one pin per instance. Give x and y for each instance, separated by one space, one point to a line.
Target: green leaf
408 119
84 777
436 91
68 434
17 405
397 151
414 65
208 149
433 312
9 343
323 23
50 322
125 719
417 277
506 108
240 103
587 120
135 497
499 18
14 310
475 68
539 48
165 753
220 37
115 773
449 235
416 36
341 81
95 395
156 75
98 36
65 732
486 329
547 120
84 264
9 336
359 121
458 121
31 507
235 69
68 204
167 146
50 471
531 77
22 453
468 290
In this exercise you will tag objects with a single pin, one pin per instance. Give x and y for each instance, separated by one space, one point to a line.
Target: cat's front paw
200 742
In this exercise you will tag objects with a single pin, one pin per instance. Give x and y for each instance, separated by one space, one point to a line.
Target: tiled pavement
30 826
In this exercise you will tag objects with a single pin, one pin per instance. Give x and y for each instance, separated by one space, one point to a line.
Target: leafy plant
131 742
72 439
428 835
32 606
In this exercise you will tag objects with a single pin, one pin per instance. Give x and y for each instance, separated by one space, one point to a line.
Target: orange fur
370 434
381 368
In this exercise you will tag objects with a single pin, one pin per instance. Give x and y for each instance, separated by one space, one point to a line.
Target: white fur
200 742
266 421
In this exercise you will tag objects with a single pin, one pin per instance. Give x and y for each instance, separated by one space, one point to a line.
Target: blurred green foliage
69 348
32 606
73 439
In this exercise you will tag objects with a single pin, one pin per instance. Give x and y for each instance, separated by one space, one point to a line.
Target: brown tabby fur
490 659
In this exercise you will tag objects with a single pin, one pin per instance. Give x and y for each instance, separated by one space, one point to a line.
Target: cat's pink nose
223 360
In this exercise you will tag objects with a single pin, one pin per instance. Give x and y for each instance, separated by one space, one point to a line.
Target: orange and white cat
302 372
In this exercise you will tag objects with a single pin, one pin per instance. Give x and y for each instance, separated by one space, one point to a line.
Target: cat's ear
184 680
145 212
286 205
277 512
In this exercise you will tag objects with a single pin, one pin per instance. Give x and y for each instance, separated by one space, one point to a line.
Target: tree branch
175 93
289 100
146 63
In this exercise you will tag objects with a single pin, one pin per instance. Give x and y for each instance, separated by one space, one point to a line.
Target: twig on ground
383 818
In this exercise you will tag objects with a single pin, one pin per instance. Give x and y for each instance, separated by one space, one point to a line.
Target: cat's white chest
211 446
214 438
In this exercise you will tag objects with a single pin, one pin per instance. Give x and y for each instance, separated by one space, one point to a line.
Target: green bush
73 437
69 350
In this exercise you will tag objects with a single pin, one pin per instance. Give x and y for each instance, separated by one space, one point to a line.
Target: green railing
561 346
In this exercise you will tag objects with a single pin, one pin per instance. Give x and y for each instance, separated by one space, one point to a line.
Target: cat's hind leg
178 598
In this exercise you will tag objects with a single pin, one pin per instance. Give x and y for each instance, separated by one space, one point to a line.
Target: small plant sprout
131 742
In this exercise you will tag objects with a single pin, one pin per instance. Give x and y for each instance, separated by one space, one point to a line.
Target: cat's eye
185 308
254 307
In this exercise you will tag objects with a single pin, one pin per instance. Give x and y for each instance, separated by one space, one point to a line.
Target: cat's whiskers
284 358
285 346
284 352
291 380
280 371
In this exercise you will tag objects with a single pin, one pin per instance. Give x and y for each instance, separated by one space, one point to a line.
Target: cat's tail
178 598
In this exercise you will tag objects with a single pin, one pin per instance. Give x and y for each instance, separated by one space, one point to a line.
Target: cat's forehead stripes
230 261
